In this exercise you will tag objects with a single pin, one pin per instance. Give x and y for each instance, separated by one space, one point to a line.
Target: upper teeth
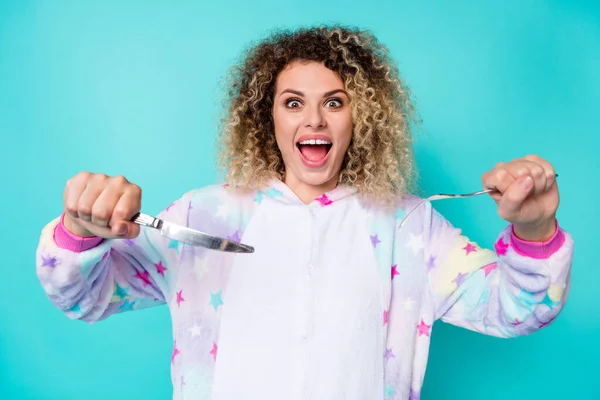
315 141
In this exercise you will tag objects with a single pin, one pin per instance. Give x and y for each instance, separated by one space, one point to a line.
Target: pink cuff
69 241
537 250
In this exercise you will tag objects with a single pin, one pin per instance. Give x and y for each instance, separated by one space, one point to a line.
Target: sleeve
91 279
514 290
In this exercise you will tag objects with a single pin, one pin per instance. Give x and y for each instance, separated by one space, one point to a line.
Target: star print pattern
120 292
461 279
395 270
415 242
214 351
180 298
174 244
160 268
487 269
144 277
215 300
194 330
388 354
235 237
126 306
469 248
324 200
175 352
500 247
375 240
423 328
49 261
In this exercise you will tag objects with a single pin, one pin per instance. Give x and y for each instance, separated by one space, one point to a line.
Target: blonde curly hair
379 160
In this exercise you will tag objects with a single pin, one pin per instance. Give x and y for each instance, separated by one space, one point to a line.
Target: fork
442 196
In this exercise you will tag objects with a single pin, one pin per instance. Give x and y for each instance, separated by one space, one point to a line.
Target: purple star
190 206
129 242
49 261
375 240
389 354
414 395
235 237
459 278
430 263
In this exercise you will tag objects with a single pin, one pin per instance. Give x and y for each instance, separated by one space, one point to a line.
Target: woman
337 301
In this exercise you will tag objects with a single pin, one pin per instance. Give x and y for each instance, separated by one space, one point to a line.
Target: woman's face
313 125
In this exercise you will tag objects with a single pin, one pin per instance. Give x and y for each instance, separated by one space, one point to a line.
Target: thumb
512 199
126 230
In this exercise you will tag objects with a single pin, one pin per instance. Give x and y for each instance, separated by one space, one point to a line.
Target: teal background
130 87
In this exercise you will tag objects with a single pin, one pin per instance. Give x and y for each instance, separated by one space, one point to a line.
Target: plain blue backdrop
131 87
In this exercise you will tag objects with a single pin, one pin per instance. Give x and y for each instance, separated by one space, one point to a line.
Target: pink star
175 351
105 255
489 268
500 247
214 351
517 322
543 324
469 248
385 317
395 270
143 276
160 268
324 200
180 298
423 328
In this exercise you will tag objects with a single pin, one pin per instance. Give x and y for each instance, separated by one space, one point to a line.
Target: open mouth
314 150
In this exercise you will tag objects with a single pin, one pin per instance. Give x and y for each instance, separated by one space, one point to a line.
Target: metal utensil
442 196
191 236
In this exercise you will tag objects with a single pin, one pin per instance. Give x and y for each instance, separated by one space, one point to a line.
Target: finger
511 200
95 185
104 205
128 205
499 179
73 190
535 170
549 170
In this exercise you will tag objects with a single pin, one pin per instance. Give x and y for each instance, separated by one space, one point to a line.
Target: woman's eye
293 103
334 103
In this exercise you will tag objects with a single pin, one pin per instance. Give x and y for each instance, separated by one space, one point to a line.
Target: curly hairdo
379 161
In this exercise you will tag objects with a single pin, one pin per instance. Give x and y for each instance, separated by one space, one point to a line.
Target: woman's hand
527 196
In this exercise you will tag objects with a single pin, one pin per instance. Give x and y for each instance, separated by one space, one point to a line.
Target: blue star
75 308
272 192
484 298
389 391
121 292
549 302
215 300
259 197
127 306
528 299
174 244
400 213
